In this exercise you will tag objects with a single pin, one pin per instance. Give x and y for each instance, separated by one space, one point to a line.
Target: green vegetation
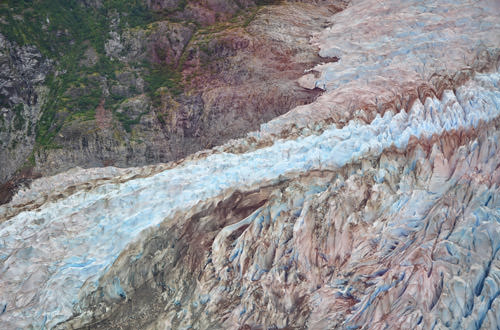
63 30
250 17
137 13
163 77
204 36
29 163
127 122
52 25
19 120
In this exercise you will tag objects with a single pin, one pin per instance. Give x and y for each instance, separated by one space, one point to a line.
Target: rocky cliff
374 206
105 83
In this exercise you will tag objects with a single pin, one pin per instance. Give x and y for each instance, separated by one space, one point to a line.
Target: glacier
375 206
74 240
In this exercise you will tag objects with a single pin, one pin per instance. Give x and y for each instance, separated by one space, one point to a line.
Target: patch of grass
52 25
135 13
47 127
19 120
163 77
85 115
28 163
88 102
165 13
31 160
128 122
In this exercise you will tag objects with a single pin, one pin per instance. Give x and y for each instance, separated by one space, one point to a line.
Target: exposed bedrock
23 71
193 78
234 78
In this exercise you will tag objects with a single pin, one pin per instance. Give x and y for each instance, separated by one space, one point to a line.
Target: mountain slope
108 83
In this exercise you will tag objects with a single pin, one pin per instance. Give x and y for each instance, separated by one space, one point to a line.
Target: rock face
375 206
188 77
239 77
23 71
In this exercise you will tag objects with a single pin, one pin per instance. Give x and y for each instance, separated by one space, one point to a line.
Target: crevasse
65 243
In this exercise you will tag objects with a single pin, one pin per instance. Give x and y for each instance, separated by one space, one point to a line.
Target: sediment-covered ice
48 253
388 49
423 254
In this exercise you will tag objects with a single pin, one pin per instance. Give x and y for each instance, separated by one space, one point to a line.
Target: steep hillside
99 83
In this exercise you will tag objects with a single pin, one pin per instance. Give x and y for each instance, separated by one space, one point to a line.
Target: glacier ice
74 240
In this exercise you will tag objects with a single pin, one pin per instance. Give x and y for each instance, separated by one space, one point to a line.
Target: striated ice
392 47
73 240
409 242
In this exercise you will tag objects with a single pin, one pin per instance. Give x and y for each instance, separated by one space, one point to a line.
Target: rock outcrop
237 78
23 70
191 78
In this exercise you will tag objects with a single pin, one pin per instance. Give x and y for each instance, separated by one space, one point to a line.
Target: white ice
47 254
